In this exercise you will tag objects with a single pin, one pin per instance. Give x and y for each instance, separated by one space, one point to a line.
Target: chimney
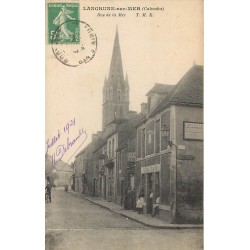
144 108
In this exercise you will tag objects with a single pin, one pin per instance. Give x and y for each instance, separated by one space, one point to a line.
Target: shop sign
151 169
193 131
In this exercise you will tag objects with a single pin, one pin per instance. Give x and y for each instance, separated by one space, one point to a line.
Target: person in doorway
157 205
142 199
151 197
141 194
139 206
127 199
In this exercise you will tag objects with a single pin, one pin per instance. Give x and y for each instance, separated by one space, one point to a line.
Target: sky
158 49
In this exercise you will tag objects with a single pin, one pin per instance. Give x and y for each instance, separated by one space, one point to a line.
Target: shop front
150 176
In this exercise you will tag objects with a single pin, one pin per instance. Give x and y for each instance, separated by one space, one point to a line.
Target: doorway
149 188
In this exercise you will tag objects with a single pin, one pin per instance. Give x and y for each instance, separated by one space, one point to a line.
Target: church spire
115 89
116 71
126 81
105 84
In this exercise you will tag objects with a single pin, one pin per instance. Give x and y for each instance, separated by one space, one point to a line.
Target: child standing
139 205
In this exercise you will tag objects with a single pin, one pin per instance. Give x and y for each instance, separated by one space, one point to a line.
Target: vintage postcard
124 124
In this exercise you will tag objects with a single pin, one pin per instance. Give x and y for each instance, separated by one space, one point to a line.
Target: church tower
115 89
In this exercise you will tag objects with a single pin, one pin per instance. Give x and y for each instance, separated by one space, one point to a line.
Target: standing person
141 194
142 199
157 205
48 191
151 197
139 205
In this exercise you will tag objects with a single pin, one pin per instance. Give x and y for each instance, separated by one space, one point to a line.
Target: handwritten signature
61 148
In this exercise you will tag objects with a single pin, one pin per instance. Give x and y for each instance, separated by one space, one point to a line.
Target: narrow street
74 223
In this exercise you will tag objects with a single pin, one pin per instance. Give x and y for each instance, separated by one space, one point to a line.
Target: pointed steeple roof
105 84
116 77
126 81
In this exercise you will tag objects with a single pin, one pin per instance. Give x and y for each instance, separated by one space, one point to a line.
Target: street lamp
165 132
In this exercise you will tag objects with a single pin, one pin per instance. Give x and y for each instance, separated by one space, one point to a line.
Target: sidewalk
145 219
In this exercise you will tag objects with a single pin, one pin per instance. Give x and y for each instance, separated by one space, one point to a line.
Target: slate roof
64 167
161 88
61 165
188 91
85 149
118 121
127 130
99 144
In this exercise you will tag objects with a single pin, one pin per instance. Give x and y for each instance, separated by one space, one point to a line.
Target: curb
171 226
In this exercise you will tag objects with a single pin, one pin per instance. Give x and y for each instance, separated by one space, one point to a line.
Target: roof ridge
169 98
179 84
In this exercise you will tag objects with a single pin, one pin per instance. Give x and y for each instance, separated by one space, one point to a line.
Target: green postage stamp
63 25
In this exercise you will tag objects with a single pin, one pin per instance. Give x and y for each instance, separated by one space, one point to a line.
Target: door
149 188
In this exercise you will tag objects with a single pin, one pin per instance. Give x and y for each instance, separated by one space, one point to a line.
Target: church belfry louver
115 89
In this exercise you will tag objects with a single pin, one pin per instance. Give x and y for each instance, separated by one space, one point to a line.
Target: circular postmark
74 48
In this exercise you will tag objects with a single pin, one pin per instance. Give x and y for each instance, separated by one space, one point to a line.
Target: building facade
170 151
159 150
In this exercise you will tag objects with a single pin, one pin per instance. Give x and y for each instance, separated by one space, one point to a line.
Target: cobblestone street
75 223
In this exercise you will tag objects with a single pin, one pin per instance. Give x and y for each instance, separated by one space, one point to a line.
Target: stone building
170 149
96 170
159 149
126 155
